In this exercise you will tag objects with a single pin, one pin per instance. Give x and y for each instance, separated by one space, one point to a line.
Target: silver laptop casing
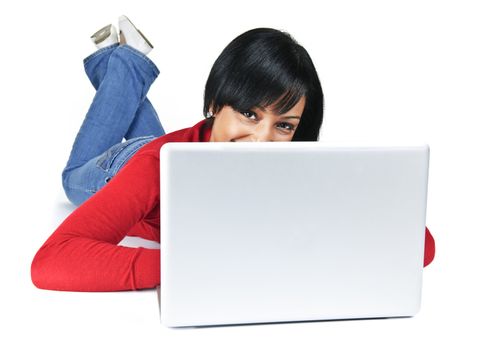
290 231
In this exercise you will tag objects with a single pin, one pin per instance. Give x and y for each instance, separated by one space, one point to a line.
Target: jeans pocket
122 151
106 159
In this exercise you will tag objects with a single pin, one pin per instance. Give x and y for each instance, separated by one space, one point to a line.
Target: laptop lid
290 231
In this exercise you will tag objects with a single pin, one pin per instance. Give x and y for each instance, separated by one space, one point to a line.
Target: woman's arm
429 248
83 255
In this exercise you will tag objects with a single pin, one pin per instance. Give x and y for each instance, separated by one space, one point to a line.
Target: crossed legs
120 109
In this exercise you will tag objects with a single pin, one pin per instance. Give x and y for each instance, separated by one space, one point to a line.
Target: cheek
226 128
232 128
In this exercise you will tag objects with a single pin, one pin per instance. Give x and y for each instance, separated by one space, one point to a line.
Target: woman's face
257 124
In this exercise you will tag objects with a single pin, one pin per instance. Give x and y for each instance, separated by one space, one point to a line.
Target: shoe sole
145 39
102 34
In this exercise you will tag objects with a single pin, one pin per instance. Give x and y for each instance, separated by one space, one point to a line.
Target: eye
287 127
250 115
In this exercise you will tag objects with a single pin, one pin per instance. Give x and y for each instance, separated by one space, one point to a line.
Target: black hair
261 67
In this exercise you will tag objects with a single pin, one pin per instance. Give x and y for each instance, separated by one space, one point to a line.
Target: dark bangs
255 70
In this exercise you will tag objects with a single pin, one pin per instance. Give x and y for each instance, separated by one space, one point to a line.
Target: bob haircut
264 67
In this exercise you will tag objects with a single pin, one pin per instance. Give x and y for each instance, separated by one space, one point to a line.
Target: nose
261 134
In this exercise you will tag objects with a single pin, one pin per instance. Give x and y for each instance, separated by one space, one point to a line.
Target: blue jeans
120 110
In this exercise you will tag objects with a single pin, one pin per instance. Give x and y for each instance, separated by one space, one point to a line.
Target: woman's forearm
81 264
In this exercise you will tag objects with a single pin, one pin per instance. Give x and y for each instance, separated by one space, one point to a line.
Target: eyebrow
284 117
290 117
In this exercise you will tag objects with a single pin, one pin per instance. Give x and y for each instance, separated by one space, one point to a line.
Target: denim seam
110 162
138 145
81 189
98 53
139 54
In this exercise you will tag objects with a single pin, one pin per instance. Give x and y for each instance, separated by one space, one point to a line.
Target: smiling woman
263 87
265 77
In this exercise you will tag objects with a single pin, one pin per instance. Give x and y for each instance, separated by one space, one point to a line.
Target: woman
262 87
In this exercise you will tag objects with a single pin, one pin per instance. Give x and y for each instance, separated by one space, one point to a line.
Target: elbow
38 271
41 270
429 254
51 267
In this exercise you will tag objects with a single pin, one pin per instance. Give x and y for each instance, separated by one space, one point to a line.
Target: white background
390 70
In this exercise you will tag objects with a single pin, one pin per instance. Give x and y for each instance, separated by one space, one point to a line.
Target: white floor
390 70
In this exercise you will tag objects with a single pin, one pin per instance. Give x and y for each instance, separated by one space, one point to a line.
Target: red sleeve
83 253
429 248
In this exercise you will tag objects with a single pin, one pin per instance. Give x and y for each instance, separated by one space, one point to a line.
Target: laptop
290 231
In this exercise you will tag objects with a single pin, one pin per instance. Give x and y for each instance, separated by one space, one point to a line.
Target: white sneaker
131 36
106 36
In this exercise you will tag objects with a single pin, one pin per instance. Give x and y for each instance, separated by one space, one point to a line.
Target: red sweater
83 253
